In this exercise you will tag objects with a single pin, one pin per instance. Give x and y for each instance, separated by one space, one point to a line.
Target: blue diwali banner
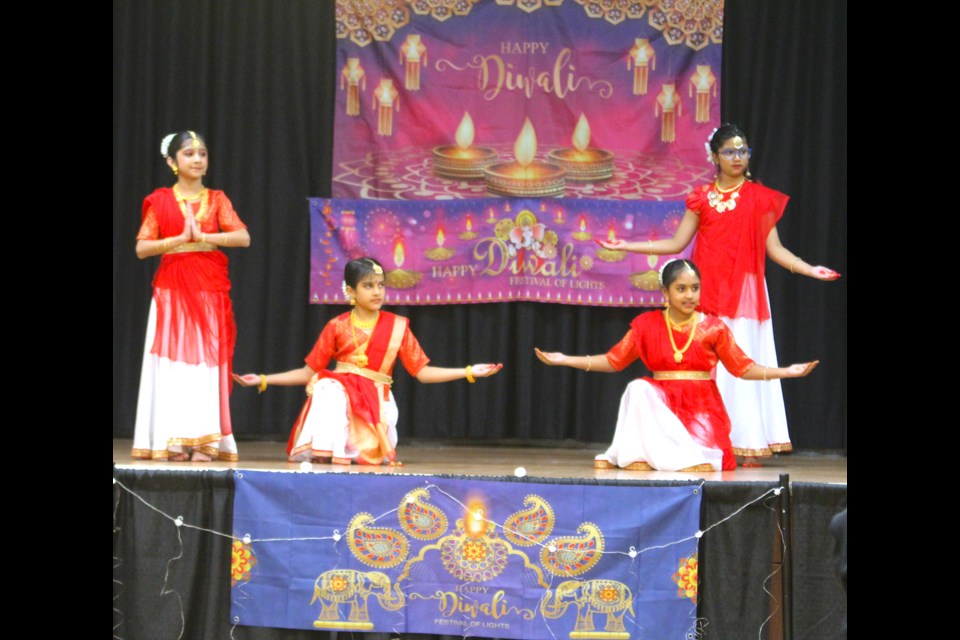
493 249
407 554
599 99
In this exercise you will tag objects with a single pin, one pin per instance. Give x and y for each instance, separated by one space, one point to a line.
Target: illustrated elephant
590 596
346 586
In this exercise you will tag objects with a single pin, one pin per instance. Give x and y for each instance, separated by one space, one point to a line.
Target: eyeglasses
730 154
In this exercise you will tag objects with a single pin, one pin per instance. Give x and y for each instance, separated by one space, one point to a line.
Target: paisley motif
419 519
528 527
573 556
377 547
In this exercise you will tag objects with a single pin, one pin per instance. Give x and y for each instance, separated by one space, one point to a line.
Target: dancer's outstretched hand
485 370
616 245
552 358
247 380
823 273
802 369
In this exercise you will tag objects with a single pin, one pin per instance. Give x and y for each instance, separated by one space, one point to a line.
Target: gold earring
175 170
353 301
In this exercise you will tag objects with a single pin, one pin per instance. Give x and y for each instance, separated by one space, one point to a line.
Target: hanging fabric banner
451 99
405 554
493 249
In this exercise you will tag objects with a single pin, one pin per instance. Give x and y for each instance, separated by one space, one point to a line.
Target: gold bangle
650 247
469 371
794 264
765 374
263 383
203 237
165 246
589 362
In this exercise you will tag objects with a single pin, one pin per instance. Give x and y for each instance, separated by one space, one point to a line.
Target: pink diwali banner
492 249
423 81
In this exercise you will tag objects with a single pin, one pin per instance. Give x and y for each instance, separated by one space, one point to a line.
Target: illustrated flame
475 522
581 134
611 234
398 253
469 222
465 131
440 236
583 222
525 148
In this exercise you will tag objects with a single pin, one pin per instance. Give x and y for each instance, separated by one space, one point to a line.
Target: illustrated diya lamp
582 234
440 252
469 233
401 278
525 177
491 216
462 160
559 219
648 280
611 255
581 162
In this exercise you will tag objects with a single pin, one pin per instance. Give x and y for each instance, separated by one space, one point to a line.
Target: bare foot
179 457
751 463
199 456
396 463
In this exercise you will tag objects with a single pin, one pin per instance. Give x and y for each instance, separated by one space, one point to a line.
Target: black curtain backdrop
258 78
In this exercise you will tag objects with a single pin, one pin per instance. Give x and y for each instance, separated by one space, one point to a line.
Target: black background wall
258 78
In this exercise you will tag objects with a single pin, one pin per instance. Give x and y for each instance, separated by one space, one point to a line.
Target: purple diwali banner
432 93
365 552
492 249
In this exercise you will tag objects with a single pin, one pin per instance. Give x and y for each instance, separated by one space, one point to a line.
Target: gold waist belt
681 375
376 376
193 246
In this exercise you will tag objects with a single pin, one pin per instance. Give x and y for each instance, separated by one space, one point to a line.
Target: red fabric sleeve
411 354
324 349
769 211
624 353
149 229
695 198
731 355
227 218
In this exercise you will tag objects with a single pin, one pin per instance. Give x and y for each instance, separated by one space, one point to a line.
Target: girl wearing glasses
735 222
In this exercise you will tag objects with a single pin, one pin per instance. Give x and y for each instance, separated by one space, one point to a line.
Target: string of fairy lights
336 536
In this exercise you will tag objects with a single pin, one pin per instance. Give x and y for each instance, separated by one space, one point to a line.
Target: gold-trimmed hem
639 465
698 468
753 453
781 447
165 454
681 375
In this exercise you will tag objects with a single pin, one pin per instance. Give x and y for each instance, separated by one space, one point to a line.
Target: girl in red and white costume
183 408
350 414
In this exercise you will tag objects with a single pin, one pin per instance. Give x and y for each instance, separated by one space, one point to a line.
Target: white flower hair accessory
706 145
165 144
343 287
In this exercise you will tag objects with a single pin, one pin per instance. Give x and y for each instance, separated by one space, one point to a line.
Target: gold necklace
363 324
362 359
678 353
182 202
715 197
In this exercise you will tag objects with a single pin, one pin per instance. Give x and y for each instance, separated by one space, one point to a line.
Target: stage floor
435 458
